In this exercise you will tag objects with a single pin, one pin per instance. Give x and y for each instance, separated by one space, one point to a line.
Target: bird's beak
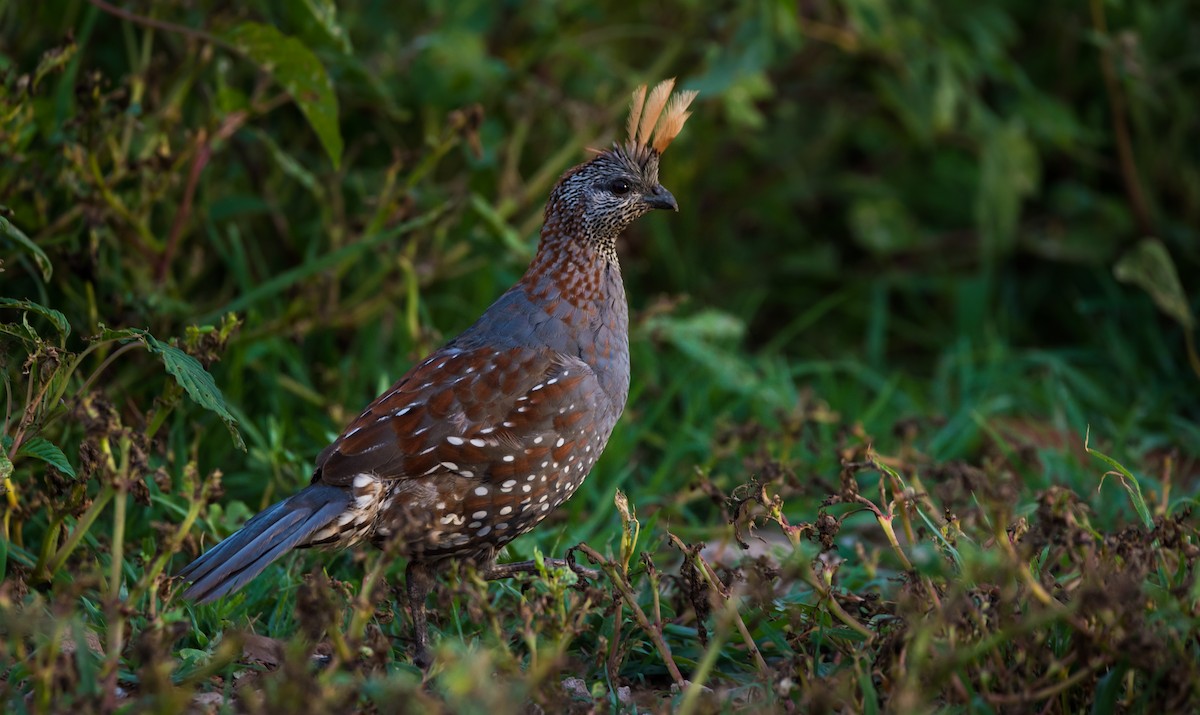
660 198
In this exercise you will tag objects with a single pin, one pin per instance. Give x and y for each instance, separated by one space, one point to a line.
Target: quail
477 443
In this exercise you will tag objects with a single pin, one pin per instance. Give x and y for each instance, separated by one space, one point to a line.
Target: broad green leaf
197 382
58 319
46 451
18 237
186 370
300 72
1148 265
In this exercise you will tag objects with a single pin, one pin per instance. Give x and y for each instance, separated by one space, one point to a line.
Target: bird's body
480 441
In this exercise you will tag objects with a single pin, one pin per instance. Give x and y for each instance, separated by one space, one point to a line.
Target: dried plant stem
229 125
653 630
114 606
163 25
730 603
826 593
172 547
81 527
1043 693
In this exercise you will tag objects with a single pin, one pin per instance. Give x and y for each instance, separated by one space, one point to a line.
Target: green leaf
1130 482
58 319
300 72
46 451
21 331
6 465
1108 690
197 382
186 370
18 237
1148 265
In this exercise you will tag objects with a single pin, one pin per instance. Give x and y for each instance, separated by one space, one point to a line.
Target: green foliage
46 451
300 73
186 370
922 246
15 235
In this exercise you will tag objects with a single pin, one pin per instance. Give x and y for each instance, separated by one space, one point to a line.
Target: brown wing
489 415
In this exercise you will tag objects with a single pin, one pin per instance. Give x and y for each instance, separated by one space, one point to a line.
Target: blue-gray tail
270 534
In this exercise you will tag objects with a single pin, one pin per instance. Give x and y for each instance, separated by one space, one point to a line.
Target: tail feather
273 532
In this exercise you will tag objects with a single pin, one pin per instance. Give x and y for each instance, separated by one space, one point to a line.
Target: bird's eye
620 187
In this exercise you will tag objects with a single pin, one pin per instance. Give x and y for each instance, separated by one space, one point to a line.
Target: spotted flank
484 472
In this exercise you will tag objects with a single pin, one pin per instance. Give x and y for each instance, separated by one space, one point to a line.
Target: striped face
596 201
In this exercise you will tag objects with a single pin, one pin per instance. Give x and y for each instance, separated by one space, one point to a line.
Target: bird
479 442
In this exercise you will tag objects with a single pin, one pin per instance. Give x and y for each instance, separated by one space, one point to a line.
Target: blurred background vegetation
951 230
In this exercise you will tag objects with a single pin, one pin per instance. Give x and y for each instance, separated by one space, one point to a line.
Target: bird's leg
419 581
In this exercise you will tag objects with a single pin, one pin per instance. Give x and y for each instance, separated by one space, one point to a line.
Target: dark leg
419 580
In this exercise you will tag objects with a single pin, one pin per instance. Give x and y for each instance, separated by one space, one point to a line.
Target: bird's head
603 196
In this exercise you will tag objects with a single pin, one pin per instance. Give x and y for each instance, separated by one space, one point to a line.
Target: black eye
620 187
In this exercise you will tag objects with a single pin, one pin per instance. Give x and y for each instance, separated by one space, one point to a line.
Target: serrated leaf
46 451
58 319
300 72
18 237
187 371
1148 265
197 382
